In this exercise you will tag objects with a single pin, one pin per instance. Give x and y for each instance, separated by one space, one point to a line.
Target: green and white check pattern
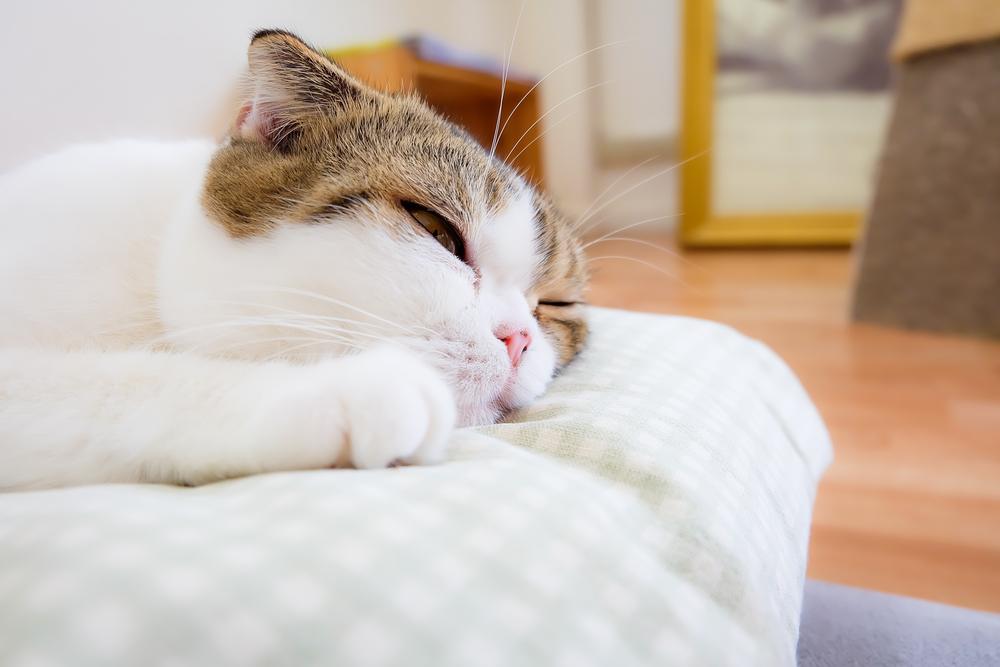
652 509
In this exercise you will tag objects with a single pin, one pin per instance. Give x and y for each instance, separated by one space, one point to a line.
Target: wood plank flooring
911 504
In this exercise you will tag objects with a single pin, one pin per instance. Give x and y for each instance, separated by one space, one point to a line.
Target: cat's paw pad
384 406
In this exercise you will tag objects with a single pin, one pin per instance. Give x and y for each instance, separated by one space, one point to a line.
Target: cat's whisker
615 182
650 265
659 174
551 126
670 251
328 336
223 351
341 320
168 337
135 318
510 160
503 82
284 353
130 325
619 230
615 236
323 335
344 304
568 98
552 71
629 239
337 330
342 332
311 316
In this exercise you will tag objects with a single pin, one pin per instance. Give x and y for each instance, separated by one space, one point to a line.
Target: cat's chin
515 396
484 413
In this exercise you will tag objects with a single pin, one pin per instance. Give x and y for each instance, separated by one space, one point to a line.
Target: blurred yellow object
368 47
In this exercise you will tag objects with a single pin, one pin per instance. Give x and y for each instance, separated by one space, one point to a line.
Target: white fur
139 341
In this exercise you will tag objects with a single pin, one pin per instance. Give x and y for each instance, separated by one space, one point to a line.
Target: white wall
636 51
639 104
550 37
640 67
77 71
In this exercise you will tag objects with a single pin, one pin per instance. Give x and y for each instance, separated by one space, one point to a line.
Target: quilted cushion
652 509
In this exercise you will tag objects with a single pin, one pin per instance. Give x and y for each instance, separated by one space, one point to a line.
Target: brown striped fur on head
314 146
561 281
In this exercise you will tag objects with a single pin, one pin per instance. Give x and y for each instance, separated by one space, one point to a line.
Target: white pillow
652 509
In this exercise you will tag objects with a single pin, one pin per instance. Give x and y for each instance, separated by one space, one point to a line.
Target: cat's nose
517 344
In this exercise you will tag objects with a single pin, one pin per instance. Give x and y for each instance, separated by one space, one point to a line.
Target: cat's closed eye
559 304
438 227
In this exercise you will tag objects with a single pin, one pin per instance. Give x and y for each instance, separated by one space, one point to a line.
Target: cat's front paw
381 407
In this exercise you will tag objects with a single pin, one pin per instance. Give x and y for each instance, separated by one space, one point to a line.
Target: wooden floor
911 504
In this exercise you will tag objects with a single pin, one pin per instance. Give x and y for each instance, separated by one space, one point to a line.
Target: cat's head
342 216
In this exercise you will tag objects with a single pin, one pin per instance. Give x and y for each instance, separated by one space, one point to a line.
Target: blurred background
107 68
820 174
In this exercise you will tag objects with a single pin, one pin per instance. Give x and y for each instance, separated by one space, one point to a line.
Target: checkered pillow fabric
652 509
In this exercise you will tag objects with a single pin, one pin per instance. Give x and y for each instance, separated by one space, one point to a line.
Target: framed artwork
784 104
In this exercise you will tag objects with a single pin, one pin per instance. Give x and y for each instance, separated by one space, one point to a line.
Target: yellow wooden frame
699 226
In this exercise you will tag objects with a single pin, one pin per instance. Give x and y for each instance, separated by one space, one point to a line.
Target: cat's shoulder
94 156
106 185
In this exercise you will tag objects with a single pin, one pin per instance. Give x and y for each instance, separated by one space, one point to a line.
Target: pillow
652 508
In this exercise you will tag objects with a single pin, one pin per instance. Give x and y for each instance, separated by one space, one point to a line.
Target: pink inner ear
241 117
256 121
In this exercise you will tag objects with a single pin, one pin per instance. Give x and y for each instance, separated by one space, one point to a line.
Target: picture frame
700 226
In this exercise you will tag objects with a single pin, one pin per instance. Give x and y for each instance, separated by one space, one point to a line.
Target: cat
339 282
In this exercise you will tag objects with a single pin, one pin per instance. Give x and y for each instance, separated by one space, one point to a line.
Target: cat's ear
290 82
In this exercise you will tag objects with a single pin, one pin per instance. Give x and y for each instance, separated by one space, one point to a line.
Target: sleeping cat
338 283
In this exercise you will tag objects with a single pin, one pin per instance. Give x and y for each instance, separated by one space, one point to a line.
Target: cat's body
334 284
81 238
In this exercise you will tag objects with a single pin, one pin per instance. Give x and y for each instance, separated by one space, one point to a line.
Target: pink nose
517 344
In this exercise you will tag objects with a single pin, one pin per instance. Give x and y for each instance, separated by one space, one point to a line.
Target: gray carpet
851 627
